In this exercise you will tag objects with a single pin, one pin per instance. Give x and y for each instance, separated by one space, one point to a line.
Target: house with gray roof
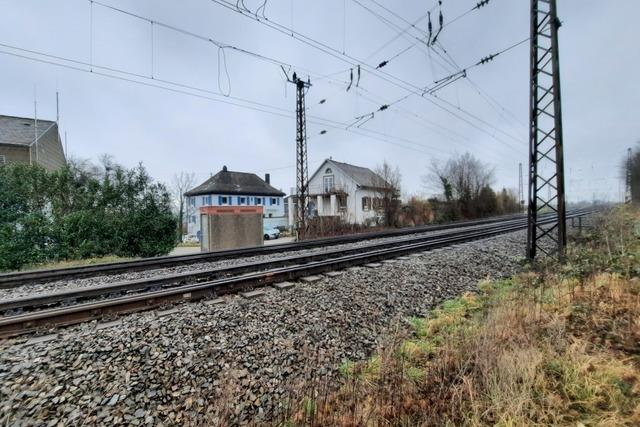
230 188
30 141
341 189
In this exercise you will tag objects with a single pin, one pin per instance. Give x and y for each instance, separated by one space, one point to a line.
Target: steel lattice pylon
302 166
546 164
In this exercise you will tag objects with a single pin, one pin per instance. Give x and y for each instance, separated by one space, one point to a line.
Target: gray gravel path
178 369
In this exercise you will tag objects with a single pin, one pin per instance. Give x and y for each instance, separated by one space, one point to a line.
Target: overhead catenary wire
486 59
231 47
429 35
354 62
491 101
416 118
221 46
210 95
218 44
448 80
397 36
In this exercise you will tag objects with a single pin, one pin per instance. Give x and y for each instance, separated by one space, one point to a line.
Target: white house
227 188
340 189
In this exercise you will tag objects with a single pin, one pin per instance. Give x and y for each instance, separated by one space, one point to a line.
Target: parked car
270 233
190 238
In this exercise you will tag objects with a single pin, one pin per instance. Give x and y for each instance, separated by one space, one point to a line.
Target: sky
194 85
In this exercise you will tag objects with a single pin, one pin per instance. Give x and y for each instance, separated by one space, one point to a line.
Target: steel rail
30 322
14 279
74 295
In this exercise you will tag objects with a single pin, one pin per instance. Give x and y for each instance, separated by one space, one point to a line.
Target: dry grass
76 263
555 346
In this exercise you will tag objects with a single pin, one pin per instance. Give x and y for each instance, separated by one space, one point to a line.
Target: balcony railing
326 190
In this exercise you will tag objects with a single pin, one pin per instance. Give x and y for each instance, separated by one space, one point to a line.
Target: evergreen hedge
81 212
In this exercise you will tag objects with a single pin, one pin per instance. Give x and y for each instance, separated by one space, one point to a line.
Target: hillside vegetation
556 345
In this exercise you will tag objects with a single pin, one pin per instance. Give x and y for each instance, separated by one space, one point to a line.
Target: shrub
79 212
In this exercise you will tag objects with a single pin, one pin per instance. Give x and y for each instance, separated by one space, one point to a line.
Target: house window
192 219
206 200
224 200
258 200
274 201
366 203
328 183
328 171
242 200
192 201
342 202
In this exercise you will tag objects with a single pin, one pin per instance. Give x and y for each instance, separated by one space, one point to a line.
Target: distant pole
520 187
627 189
302 164
35 119
57 109
66 149
545 133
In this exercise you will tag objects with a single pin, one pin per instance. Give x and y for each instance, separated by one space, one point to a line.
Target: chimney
267 178
224 168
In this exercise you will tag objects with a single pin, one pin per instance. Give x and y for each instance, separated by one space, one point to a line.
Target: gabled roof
364 177
228 182
22 131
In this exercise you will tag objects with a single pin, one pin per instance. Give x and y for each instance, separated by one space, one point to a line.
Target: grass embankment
558 345
75 263
91 261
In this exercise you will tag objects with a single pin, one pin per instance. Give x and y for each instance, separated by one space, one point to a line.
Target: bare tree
181 184
461 179
386 183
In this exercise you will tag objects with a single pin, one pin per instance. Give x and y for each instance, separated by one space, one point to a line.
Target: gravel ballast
70 284
181 367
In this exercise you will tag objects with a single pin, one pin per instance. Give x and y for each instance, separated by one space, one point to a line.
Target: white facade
335 192
273 208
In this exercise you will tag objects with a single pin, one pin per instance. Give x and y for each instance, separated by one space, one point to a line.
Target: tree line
82 211
464 191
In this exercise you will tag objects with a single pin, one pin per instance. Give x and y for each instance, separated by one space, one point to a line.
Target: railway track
15 279
29 314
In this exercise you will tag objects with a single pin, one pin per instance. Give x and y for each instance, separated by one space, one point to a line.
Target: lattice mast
302 164
546 163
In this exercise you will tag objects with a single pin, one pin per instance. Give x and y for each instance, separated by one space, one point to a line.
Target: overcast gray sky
171 131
